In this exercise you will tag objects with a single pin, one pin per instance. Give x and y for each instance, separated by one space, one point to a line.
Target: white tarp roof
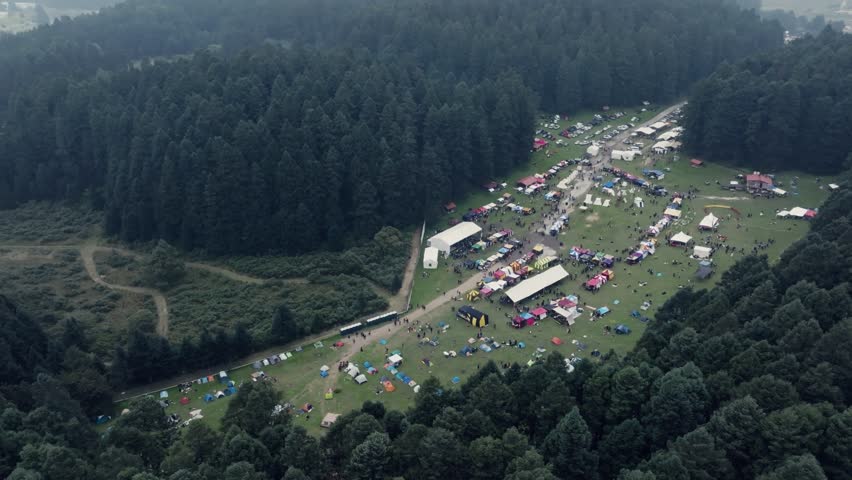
783 213
710 221
701 252
681 237
430 255
361 379
672 212
659 125
778 191
798 212
454 235
669 135
593 150
531 286
395 358
833 186
646 131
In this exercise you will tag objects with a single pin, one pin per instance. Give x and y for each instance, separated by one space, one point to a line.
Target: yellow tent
472 295
329 394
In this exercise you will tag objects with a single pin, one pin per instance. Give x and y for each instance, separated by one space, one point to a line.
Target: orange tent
556 341
389 387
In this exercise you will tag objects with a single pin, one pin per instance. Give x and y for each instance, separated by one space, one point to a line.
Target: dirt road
87 254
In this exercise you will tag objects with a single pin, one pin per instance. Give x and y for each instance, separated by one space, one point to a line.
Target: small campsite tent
361 379
622 329
709 222
638 202
184 400
701 252
430 258
680 239
395 359
705 269
209 398
556 341
329 419
164 394
593 150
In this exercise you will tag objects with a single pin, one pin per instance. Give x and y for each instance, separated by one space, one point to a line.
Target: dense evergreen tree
784 109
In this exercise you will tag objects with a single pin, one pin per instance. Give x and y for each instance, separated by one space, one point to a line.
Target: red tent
184 401
556 341
527 182
450 207
696 162
539 312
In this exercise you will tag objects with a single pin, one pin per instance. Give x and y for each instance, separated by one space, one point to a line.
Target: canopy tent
779 192
473 316
672 212
703 272
531 286
833 186
593 150
395 359
430 258
680 238
800 212
568 316
329 419
647 131
709 222
701 252
445 240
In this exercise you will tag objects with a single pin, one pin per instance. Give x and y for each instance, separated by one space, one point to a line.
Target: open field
830 9
51 284
614 230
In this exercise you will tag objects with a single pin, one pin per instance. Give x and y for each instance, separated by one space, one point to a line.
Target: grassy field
430 283
39 223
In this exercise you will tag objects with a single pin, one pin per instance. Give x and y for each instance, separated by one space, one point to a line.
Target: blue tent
522 345
635 314
602 311
102 419
209 398
164 394
456 380
622 329
232 390
465 350
323 374
609 185
367 364
383 342
399 376
406 379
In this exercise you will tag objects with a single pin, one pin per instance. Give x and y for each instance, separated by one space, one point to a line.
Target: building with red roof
757 182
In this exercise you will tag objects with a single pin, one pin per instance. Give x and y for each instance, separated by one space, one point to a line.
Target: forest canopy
323 117
788 109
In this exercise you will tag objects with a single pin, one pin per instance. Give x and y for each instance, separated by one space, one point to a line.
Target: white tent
798 212
670 135
626 155
659 125
779 192
647 131
701 252
361 379
430 258
445 240
395 359
588 198
533 285
606 203
593 150
833 186
680 237
324 368
672 212
639 202
709 222
353 372
598 201
783 214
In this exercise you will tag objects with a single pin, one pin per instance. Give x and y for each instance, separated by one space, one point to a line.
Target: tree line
619 52
785 109
748 380
273 150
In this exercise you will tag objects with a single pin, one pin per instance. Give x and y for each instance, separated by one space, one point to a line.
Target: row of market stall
590 257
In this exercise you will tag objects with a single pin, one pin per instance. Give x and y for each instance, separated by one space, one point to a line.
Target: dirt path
230 274
87 254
